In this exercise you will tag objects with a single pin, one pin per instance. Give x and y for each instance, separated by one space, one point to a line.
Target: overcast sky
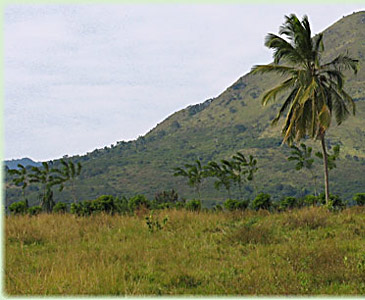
81 77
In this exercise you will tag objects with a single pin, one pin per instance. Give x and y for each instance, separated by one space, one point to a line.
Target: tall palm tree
69 172
20 178
221 173
47 177
313 90
194 173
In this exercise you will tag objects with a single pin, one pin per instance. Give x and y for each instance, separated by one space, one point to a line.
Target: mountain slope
219 127
13 164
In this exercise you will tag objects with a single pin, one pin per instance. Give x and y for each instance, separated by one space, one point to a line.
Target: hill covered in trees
218 128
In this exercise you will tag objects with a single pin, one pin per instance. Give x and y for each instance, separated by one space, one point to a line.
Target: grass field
301 252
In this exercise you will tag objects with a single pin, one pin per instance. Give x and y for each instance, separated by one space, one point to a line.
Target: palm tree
304 160
331 157
48 178
313 90
194 173
251 170
20 178
234 172
69 172
222 173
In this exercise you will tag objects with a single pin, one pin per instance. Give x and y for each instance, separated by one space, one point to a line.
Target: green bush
231 204
60 207
104 203
180 205
109 204
193 205
359 198
81 209
137 202
311 200
289 203
34 210
262 201
121 205
154 224
335 201
18 208
166 197
218 207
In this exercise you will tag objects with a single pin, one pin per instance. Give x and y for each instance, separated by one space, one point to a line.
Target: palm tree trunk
73 191
197 190
240 189
325 163
314 177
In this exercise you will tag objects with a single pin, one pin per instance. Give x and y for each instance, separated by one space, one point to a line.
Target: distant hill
13 164
217 128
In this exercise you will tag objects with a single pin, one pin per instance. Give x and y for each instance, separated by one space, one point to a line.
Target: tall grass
307 251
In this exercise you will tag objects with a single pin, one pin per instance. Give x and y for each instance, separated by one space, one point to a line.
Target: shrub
359 198
165 199
104 203
154 224
193 205
288 203
335 201
18 208
137 202
262 201
180 205
164 205
166 196
34 210
121 205
218 207
81 209
60 207
74 208
231 205
310 200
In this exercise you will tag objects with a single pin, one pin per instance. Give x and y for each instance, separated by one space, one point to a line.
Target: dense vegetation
310 251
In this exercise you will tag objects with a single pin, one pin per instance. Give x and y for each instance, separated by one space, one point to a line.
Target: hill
13 164
217 128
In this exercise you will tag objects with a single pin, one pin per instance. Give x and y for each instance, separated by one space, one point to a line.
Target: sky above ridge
81 77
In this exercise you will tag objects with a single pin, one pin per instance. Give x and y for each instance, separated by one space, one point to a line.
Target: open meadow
308 251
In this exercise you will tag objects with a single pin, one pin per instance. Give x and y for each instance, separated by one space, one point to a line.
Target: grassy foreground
307 251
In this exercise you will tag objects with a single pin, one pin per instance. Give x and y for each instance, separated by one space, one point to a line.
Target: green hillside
217 128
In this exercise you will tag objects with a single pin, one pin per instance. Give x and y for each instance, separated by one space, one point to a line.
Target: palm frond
271 94
344 62
282 49
273 68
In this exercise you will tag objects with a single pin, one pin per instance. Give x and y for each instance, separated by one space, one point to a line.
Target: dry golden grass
308 251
